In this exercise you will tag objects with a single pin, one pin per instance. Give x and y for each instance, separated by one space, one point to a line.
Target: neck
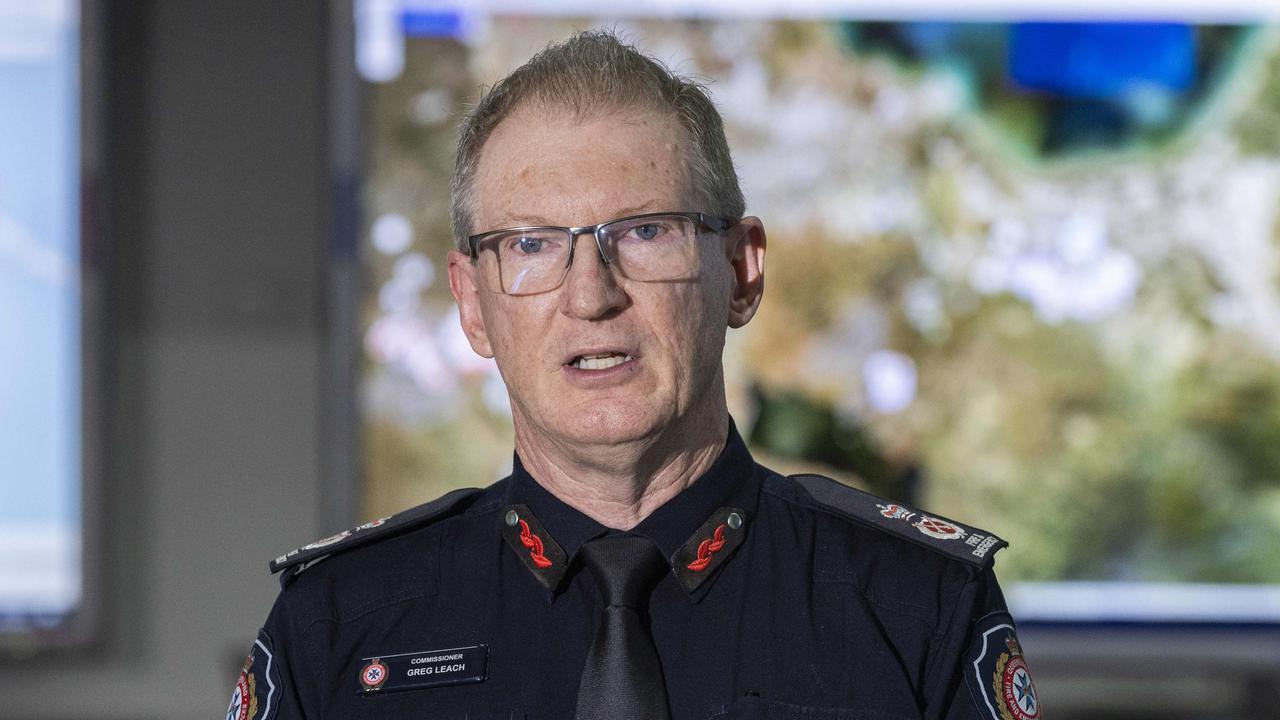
619 484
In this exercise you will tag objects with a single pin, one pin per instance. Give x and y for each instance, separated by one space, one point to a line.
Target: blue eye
530 245
648 231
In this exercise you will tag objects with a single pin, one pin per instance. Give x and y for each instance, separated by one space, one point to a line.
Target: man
637 563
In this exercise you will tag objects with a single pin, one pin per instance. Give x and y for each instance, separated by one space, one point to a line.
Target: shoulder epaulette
370 531
957 540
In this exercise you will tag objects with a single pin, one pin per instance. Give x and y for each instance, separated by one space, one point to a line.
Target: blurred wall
216 218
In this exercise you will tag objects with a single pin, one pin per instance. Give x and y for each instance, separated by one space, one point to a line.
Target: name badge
432 668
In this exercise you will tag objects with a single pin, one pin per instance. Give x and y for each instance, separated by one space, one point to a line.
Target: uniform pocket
757 708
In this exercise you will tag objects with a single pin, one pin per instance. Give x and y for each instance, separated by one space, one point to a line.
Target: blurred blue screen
1101 60
40 362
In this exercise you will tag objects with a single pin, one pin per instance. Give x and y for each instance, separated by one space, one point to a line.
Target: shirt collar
730 482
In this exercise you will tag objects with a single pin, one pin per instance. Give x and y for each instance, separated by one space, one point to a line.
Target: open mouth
600 361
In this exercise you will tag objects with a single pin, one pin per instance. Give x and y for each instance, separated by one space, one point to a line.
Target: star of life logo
1020 694
238 708
373 675
1016 694
244 703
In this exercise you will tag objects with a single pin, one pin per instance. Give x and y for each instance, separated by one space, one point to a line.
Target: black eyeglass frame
714 223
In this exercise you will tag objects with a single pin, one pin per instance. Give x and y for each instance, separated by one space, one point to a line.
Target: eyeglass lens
656 248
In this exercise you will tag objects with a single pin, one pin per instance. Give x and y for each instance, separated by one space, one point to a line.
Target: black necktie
622 678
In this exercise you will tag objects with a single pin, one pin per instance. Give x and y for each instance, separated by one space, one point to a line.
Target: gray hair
594 72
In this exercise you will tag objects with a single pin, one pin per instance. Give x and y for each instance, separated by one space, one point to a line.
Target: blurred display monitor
44 346
1022 272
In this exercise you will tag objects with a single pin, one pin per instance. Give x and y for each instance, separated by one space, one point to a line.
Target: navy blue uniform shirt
789 597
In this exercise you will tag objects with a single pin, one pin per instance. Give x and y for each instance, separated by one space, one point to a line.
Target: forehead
550 167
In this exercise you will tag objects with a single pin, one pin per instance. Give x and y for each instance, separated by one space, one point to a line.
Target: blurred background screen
41 583
1023 270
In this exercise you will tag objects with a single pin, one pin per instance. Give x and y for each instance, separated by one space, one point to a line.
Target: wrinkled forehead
553 166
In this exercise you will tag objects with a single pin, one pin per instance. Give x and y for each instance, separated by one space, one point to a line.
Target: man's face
541 168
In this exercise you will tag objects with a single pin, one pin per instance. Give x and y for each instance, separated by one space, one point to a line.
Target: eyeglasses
649 248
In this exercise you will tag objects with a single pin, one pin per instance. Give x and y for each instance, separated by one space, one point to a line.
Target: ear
746 256
466 290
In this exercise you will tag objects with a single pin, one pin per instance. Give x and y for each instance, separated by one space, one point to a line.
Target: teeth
600 362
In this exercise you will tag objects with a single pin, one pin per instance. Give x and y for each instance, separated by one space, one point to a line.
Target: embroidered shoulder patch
709 547
962 542
370 531
256 695
997 673
535 547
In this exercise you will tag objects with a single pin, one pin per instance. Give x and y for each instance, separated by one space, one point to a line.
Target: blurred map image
1042 300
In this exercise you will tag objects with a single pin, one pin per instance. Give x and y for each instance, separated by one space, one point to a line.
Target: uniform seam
479 509
916 612
360 611
374 607
307 628
940 633
365 610
955 607
921 613
456 518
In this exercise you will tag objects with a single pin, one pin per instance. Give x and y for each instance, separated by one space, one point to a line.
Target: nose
590 289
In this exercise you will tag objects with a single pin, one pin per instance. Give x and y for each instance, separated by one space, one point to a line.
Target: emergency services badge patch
256 695
997 674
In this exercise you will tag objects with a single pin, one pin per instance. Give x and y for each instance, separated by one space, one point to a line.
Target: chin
609 423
